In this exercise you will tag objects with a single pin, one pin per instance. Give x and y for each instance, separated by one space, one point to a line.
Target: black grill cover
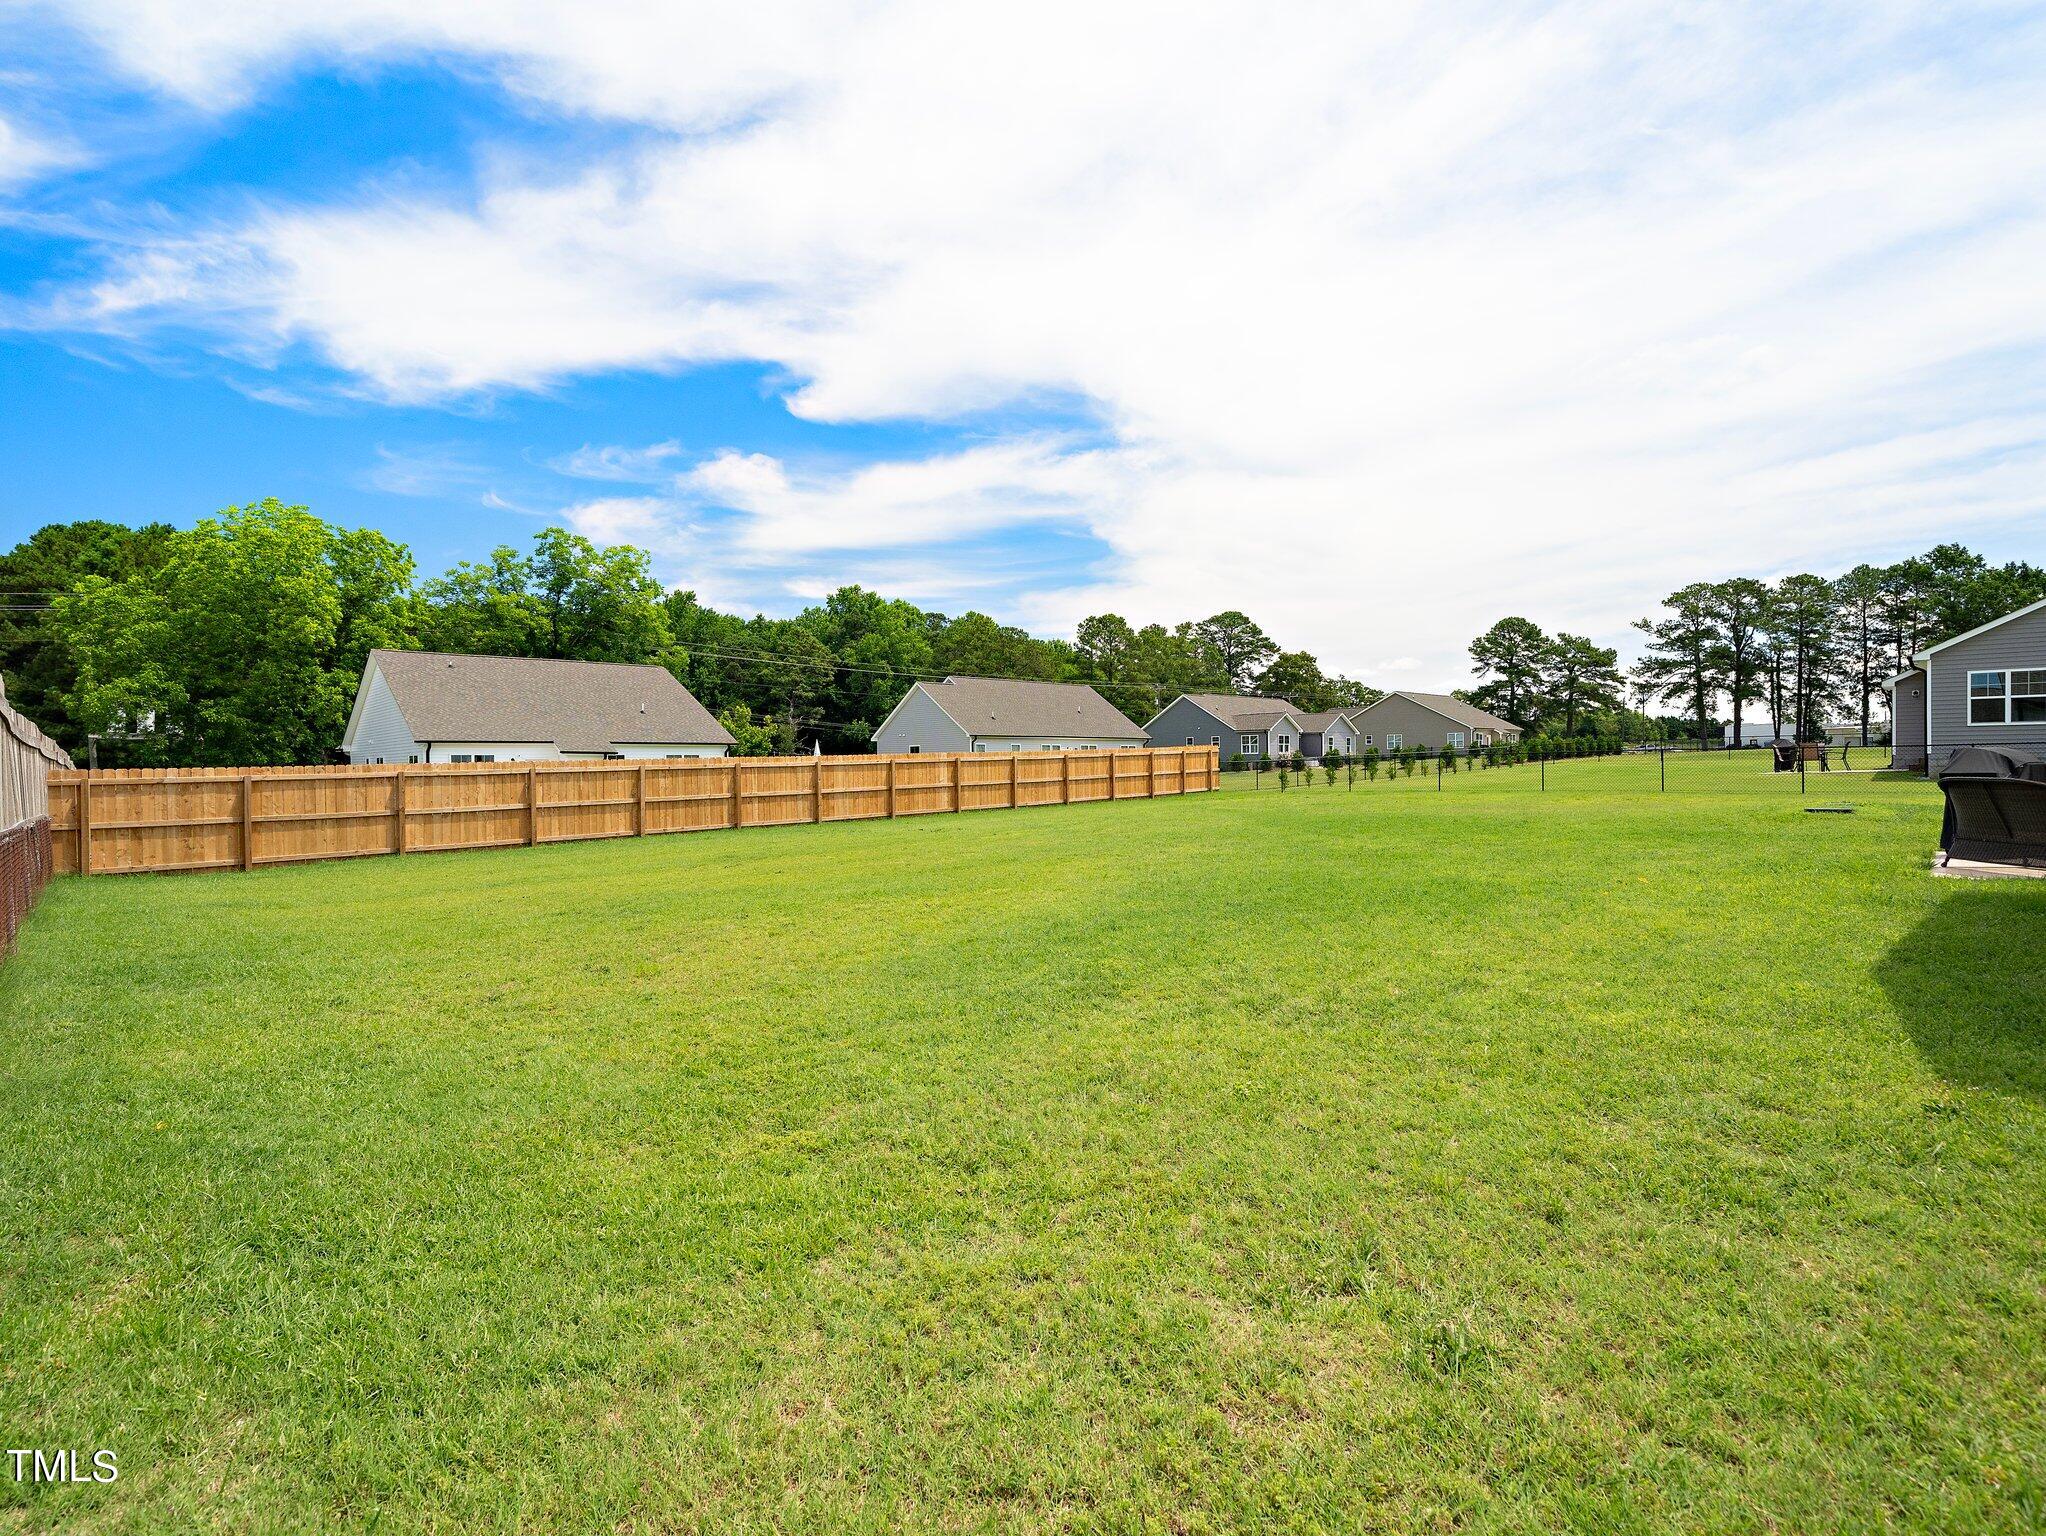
1996 805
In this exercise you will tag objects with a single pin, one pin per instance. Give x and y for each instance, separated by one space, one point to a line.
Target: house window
980 746
1986 702
1394 742
2028 697
1284 744
1367 741
1189 741
1248 744
1484 739
916 749
1215 742
1454 740
413 758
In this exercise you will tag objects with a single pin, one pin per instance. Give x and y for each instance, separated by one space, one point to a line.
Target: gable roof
1241 711
1980 629
1447 707
580 706
1323 720
1007 706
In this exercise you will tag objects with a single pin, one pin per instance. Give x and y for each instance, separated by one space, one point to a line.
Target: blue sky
1376 322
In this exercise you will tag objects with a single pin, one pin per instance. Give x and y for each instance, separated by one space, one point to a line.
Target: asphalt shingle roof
1455 709
1244 711
580 706
1001 706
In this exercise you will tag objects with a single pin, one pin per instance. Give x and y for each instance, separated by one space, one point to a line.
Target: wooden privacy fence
27 758
136 820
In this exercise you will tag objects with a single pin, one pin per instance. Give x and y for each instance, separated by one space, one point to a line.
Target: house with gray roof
1327 731
1429 721
432 707
1002 714
1237 724
1985 688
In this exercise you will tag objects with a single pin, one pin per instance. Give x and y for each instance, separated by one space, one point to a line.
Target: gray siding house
1237 724
999 714
1984 688
431 707
1329 731
1430 721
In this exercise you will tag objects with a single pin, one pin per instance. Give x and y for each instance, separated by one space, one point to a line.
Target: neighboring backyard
1383 1159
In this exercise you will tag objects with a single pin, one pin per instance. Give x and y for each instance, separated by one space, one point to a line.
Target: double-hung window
1394 741
1248 743
1454 739
1283 744
2007 698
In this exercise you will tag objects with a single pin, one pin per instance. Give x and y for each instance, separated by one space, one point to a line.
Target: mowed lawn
1487 1159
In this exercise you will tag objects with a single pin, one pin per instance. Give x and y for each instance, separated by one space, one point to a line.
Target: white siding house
431 707
997 714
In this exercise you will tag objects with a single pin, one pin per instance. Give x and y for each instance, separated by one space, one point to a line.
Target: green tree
244 647
1510 655
1740 608
1296 677
40 673
1858 606
880 645
1579 676
1686 655
1805 637
1241 650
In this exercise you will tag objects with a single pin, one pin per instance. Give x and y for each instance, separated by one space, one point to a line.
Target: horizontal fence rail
133 821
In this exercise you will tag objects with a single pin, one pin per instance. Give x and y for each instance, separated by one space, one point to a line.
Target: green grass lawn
1483 1159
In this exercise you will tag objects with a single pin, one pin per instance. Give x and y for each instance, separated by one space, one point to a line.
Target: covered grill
1996 805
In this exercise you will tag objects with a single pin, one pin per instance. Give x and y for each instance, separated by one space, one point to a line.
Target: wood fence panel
134 820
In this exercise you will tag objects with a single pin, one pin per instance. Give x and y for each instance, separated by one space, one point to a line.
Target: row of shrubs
1370 763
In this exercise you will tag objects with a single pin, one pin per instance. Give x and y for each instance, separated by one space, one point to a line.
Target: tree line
1801 652
242 639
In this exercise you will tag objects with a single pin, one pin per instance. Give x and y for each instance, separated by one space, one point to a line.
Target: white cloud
1399 317
24 156
922 502
639 466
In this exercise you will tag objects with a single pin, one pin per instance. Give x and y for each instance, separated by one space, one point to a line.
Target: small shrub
1330 770
1236 763
1285 773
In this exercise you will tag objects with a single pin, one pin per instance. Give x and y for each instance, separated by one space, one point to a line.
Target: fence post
1438 775
891 788
532 807
85 823
738 796
817 790
248 822
1150 773
404 840
1544 761
639 804
1065 778
1111 773
1664 765
958 781
1015 763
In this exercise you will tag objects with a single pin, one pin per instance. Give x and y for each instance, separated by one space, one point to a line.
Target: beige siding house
1429 721
431 707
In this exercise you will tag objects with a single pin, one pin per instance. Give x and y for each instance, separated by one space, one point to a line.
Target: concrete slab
1974 869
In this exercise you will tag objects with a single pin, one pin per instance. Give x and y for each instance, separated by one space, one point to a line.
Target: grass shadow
1969 982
